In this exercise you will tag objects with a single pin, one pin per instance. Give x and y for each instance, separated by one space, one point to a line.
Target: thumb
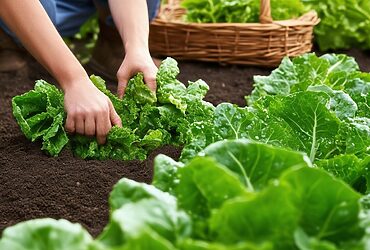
114 117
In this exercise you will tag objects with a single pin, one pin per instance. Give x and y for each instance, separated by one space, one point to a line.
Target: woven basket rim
309 18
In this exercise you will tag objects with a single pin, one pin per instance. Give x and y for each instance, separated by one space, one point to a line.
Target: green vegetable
209 204
148 122
344 23
294 205
148 222
287 172
45 234
238 11
40 114
317 105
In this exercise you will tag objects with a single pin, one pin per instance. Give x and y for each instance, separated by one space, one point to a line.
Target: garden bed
33 185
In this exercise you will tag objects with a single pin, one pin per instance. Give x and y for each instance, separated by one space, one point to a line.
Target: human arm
132 21
89 111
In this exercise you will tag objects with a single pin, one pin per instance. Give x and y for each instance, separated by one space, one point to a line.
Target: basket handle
265 12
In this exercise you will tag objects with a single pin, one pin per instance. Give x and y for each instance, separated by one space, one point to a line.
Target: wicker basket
264 43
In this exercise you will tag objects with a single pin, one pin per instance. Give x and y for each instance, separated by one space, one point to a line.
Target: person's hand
89 111
134 62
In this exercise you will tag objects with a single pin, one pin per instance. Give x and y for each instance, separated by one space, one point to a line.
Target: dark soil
34 185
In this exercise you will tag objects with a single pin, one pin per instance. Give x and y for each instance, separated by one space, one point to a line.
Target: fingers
94 124
123 76
150 74
150 80
114 117
122 84
70 125
80 125
90 126
128 69
103 126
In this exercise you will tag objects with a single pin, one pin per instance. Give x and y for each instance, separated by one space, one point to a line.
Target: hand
89 111
134 62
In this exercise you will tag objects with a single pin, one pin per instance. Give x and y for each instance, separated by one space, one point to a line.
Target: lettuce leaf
149 120
45 234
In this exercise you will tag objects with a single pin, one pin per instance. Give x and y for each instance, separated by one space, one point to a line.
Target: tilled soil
34 185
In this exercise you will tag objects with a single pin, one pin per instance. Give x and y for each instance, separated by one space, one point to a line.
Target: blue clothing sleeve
49 6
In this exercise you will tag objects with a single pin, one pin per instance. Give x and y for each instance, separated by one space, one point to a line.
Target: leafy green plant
238 11
316 105
149 120
344 23
287 172
237 194
45 234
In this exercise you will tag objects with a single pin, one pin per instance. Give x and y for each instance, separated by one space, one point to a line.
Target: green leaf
165 173
229 122
349 168
139 92
128 191
255 163
329 208
355 135
149 219
340 102
152 140
238 11
198 195
45 234
358 87
268 216
306 117
55 138
304 242
167 72
344 23
202 245
40 115
302 72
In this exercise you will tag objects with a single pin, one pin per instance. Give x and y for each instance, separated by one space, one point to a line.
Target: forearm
34 28
132 21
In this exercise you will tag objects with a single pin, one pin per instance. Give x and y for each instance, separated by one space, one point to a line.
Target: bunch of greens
344 23
149 120
238 11
238 195
316 105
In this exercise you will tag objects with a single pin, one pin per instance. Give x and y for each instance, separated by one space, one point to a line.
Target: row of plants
238 194
289 171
